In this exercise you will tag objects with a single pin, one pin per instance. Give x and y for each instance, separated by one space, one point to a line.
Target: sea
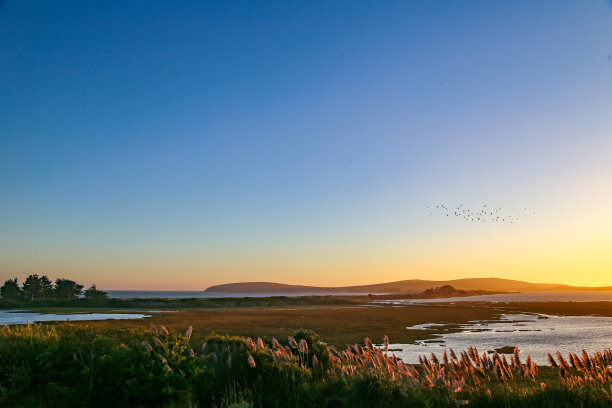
582 296
201 294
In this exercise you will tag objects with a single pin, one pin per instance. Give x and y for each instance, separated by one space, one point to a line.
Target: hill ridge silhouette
403 286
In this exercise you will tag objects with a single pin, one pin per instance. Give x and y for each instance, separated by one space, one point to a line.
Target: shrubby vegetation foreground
68 365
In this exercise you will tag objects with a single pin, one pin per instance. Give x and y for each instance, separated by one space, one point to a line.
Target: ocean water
581 296
21 317
533 334
202 294
586 296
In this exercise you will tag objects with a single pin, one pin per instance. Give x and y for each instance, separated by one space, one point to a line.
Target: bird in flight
483 214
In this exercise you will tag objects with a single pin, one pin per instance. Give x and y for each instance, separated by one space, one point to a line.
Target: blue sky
301 141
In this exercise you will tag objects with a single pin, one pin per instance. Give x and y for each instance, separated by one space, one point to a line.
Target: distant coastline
404 286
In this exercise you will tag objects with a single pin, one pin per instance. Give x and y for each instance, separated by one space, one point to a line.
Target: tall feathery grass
73 366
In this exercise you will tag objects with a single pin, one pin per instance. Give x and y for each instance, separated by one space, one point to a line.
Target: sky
176 145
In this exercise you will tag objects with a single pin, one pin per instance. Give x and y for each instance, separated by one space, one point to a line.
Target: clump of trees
40 288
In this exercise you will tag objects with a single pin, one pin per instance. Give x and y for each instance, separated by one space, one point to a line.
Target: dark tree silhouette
67 289
32 287
46 287
94 293
10 290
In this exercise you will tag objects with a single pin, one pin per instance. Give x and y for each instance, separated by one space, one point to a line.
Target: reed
89 366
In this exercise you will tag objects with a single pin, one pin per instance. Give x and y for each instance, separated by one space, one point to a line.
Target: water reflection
575 296
21 317
531 333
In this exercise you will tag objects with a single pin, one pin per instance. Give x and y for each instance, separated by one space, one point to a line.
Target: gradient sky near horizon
176 145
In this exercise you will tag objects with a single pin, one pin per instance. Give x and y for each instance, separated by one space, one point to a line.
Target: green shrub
65 365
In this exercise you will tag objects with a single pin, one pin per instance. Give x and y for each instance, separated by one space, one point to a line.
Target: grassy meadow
340 324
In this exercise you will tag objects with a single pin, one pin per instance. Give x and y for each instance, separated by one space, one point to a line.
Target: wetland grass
78 365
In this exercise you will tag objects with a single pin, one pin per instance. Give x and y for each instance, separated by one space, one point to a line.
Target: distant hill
412 285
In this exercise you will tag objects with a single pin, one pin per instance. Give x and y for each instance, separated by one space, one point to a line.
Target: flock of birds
484 214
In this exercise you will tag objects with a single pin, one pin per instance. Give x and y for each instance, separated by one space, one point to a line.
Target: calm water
518 297
531 333
202 294
20 317
514 297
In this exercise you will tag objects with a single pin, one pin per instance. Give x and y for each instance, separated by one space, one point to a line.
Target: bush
65 365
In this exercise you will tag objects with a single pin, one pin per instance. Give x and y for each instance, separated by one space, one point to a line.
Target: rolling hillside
412 285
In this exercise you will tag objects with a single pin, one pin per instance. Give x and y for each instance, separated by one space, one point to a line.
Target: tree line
40 288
